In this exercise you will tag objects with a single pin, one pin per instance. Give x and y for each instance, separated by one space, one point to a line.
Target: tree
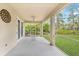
60 21
46 28
72 19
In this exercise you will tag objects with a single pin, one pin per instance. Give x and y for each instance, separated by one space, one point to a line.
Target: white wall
7 31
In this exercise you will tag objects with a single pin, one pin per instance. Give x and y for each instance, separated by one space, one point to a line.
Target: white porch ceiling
40 10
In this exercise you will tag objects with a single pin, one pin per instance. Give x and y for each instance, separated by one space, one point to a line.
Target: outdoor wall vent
5 45
5 16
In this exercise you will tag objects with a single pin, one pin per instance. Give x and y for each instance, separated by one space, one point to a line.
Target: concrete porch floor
37 46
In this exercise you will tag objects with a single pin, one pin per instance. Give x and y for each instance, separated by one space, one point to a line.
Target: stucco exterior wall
7 31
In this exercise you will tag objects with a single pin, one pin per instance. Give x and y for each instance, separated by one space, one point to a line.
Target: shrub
61 31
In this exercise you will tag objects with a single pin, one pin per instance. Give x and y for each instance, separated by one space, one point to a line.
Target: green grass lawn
67 43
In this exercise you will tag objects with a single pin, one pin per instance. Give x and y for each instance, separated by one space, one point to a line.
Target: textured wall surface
7 31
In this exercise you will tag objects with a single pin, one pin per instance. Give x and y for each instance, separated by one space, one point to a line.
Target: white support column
30 29
23 30
52 31
35 30
41 29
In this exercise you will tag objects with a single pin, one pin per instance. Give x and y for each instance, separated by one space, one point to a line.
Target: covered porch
37 46
21 45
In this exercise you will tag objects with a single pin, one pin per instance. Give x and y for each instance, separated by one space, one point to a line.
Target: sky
66 11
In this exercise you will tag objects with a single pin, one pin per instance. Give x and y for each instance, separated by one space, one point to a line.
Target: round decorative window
5 16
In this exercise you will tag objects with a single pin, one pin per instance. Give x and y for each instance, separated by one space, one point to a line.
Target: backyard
67 43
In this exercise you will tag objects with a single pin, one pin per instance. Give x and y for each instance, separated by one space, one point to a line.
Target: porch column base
51 44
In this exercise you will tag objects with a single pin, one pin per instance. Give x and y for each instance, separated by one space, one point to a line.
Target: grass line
67 43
